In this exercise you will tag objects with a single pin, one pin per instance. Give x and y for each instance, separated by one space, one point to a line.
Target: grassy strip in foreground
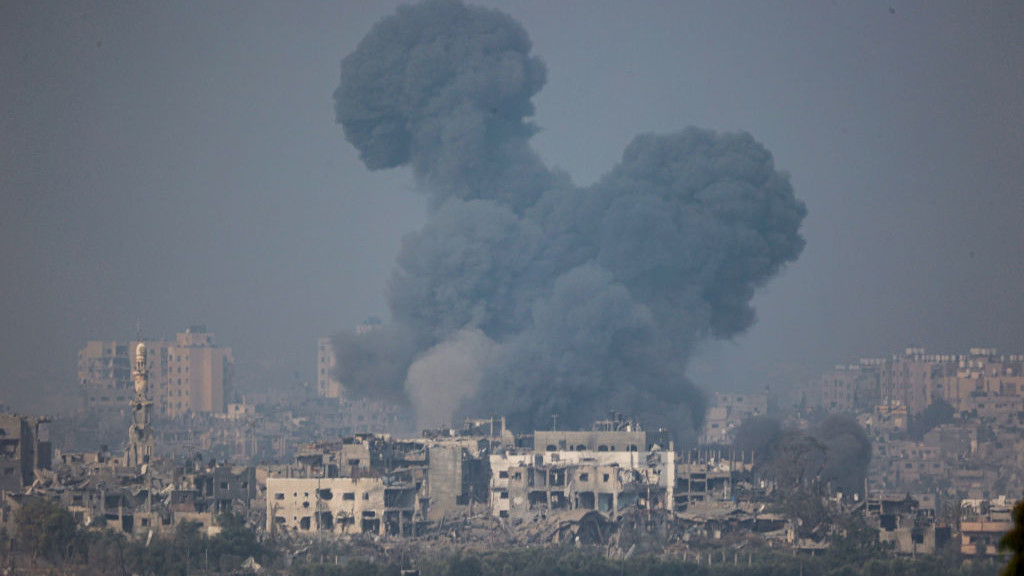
590 562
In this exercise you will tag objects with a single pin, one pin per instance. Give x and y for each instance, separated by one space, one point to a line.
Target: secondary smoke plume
543 297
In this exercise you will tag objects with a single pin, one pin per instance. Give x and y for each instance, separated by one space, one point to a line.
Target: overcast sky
174 163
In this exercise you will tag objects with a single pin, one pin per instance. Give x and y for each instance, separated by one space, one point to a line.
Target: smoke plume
540 297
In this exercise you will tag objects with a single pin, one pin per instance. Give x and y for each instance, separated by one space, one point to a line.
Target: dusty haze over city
166 164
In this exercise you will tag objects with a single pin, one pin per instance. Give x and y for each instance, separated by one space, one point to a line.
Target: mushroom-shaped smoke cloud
542 296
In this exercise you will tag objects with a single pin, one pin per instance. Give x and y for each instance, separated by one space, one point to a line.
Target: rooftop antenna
554 422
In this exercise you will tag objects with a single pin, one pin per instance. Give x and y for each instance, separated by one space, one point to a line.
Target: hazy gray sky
178 163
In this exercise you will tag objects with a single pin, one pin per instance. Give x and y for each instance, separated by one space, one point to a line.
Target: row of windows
107 399
601 448
324 494
583 476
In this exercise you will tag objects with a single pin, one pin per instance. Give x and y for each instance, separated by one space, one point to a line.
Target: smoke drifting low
525 295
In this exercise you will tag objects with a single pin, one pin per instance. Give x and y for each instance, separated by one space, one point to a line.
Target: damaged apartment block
373 484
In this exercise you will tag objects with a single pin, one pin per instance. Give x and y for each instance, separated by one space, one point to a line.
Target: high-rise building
104 375
198 374
327 386
190 374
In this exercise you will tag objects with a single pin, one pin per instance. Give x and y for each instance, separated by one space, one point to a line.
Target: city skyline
171 165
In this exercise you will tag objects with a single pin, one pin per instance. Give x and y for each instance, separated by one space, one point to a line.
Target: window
503 474
348 496
584 477
279 496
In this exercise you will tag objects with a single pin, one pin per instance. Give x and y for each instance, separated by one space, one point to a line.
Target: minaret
140 434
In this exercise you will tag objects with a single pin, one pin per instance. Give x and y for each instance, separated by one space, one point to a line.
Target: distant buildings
328 465
327 383
727 412
327 386
950 425
104 375
981 381
357 415
190 374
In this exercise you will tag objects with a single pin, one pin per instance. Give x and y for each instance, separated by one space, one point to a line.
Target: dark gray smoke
848 451
549 298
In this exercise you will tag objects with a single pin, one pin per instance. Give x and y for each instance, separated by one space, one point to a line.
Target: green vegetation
189 551
45 529
48 535
592 562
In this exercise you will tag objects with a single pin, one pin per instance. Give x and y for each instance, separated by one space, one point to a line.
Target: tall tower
140 434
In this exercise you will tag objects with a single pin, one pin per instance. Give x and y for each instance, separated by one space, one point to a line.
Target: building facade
327 386
190 374
104 375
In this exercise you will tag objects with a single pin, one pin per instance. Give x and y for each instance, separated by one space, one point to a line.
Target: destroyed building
22 451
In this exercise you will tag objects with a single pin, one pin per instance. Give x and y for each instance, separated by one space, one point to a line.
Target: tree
45 529
235 543
1013 541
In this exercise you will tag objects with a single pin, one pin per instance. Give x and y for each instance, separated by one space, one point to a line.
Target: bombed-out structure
377 484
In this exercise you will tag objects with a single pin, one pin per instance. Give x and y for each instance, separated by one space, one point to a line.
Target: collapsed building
129 491
374 484
907 524
22 450
560 484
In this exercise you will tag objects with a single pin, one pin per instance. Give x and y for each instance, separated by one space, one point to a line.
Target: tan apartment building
199 374
981 381
190 374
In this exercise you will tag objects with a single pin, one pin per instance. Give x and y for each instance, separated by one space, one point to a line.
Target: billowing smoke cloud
586 299
848 451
